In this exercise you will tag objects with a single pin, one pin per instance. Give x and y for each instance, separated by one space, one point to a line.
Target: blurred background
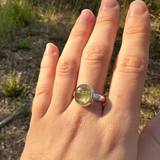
26 26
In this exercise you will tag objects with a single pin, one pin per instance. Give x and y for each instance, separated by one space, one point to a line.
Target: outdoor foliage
13 88
152 115
16 13
78 5
24 45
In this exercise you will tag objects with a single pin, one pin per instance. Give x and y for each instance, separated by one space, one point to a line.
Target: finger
129 72
97 53
68 66
131 66
149 141
44 87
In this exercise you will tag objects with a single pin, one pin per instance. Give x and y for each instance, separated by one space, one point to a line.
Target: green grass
24 45
16 13
78 5
152 115
13 88
108 81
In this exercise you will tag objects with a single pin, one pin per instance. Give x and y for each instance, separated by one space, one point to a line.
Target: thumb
149 141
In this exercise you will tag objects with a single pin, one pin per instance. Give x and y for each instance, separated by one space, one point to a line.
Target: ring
84 95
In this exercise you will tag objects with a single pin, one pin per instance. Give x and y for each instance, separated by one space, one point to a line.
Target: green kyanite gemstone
83 94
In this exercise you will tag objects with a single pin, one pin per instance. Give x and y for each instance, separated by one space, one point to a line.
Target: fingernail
138 7
86 16
108 4
49 49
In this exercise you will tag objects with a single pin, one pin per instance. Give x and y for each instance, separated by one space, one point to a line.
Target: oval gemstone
82 94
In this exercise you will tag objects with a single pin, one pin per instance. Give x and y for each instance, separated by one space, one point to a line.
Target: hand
60 129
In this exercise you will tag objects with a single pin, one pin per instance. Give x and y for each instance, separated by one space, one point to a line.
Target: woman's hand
60 129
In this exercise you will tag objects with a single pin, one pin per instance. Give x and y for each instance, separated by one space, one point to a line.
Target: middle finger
97 53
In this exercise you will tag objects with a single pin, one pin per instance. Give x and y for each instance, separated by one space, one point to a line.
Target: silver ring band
84 95
99 98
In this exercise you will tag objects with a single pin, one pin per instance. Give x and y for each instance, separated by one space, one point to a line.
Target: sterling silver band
84 95
98 97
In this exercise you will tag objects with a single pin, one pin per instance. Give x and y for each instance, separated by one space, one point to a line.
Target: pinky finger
45 83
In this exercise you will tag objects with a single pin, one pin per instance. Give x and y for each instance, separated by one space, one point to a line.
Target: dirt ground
26 64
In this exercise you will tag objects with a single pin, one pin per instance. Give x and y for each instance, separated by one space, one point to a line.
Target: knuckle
94 54
78 32
135 29
104 19
43 90
67 67
131 64
45 66
47 63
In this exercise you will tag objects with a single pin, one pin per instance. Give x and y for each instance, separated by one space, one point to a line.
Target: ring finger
97 53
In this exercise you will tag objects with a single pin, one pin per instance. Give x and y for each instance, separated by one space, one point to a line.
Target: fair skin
60 129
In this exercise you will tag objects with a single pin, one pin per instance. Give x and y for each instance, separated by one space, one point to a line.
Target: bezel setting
91 94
